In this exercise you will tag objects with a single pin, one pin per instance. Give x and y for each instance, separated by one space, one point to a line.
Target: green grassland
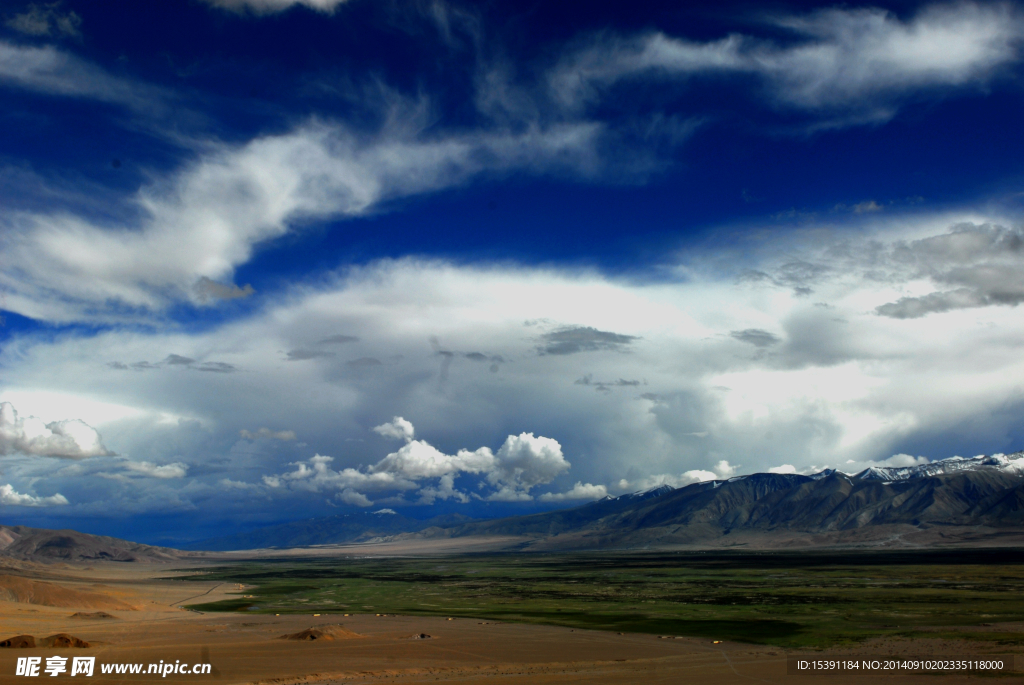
793 600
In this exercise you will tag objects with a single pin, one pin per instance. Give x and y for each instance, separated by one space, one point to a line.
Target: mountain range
951 501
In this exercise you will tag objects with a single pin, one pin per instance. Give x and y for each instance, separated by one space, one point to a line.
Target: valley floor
245 646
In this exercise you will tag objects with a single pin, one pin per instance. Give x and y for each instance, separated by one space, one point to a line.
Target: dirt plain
367 648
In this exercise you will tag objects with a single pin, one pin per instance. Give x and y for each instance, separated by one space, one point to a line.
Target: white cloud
398 428
672 480
70 438
172 470
9 496
902 460
722 470
419 459
46 20
55 72
273 6
525 460
860 59
784 469
267 434
237 485
895 461
725 470
356 499
508 493
209 219
522 462
579 491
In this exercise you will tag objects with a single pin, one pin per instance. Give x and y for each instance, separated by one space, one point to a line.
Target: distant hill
952 501
329 530
38 544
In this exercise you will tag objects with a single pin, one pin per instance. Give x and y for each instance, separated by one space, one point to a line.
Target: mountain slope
38 544
329 530
980 492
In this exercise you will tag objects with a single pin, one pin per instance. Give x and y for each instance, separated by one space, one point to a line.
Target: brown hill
18 589
64 640
37 544
19 642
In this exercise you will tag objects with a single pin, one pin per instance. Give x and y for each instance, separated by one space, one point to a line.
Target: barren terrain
367 648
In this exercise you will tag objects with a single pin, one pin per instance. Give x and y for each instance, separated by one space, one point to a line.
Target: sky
266 260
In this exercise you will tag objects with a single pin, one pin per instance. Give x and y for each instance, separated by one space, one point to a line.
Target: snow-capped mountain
1009 463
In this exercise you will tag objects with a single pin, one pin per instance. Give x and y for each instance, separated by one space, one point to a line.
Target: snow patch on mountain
1011 463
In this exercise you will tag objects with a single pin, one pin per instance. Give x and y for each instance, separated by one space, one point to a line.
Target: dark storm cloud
206 289
605 386
303 355
364 362
582 339
217 367
178 360
338 340
756 337
982 265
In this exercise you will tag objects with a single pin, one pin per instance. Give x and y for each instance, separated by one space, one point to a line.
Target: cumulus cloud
859 59
783 469
525 460
356 499
267 434
722 470
9 496
70 438
151 470
522 462
397 428
579 491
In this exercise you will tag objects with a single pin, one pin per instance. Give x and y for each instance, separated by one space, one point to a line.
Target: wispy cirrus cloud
211 217
274 6
851 65
52 71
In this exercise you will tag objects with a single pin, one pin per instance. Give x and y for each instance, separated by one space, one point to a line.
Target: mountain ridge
985 491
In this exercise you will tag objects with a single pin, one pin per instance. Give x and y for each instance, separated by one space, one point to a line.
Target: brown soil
19 589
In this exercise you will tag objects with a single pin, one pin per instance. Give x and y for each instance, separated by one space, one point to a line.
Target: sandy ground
247 649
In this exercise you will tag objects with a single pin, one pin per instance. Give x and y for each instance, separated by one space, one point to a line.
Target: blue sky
263 260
